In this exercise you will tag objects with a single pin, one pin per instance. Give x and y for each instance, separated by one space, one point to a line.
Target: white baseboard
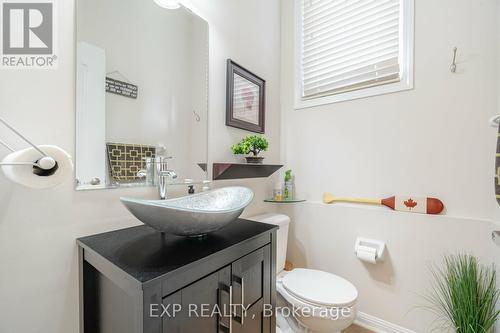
378 325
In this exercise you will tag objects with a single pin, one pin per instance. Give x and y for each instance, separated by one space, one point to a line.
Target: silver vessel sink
193 215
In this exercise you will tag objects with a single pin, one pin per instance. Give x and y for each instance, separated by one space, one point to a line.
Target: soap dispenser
289 187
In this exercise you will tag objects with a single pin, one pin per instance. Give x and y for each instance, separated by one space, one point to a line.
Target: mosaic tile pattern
126 159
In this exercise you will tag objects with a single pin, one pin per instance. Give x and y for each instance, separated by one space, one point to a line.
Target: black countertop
145 253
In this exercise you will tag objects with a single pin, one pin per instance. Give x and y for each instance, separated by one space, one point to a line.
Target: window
348 49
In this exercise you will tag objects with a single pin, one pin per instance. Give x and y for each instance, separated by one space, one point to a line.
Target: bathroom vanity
138 280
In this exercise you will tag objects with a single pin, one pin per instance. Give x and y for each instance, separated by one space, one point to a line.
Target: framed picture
246 99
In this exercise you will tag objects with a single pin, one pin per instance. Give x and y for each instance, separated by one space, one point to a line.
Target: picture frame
245 99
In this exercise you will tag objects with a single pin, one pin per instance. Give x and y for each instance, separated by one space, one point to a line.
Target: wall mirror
141 93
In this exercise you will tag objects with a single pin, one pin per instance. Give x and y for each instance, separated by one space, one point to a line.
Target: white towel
23 174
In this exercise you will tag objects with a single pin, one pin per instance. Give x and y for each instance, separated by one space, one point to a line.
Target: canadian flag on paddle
414 204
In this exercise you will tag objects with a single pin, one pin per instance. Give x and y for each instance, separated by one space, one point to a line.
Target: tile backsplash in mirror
125 160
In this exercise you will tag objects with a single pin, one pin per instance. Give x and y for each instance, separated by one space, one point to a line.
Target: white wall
38 279
432 141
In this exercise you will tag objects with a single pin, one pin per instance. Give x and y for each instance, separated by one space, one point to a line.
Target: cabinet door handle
241 282
229 290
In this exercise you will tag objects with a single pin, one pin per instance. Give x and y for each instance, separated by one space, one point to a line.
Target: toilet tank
282 221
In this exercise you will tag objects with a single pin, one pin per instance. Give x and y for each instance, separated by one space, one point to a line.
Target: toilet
320 301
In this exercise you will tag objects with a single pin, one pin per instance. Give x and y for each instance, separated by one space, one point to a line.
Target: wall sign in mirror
156 99
246 99
121 88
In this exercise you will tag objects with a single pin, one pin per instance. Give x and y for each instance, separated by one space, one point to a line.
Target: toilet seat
320 289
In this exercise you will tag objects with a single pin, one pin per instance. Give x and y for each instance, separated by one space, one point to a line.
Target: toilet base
311 324
323 325
317 324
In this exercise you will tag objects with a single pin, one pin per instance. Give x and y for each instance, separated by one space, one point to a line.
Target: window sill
353 95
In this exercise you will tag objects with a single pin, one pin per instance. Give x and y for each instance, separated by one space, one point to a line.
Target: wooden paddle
399 203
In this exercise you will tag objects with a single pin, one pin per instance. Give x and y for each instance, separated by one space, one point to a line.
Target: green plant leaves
464 294
251 144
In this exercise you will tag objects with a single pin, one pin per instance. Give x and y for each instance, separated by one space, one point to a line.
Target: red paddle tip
389 202
434 206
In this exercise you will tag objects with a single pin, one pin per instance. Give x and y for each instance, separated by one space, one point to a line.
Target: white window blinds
349 45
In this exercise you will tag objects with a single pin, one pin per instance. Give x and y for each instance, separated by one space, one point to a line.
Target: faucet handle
142 173
168 173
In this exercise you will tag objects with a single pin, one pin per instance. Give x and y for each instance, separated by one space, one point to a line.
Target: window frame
406 42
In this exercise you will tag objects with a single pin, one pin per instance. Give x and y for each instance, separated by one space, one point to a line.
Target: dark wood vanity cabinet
246 281
139 280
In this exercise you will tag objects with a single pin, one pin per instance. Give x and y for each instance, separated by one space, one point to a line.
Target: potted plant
251 144
464 295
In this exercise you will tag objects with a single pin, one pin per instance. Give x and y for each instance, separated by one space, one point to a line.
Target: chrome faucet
163 175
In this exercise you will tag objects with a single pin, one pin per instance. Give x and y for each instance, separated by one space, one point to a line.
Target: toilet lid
320 288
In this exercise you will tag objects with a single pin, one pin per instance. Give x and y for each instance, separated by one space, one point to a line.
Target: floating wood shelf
243 170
